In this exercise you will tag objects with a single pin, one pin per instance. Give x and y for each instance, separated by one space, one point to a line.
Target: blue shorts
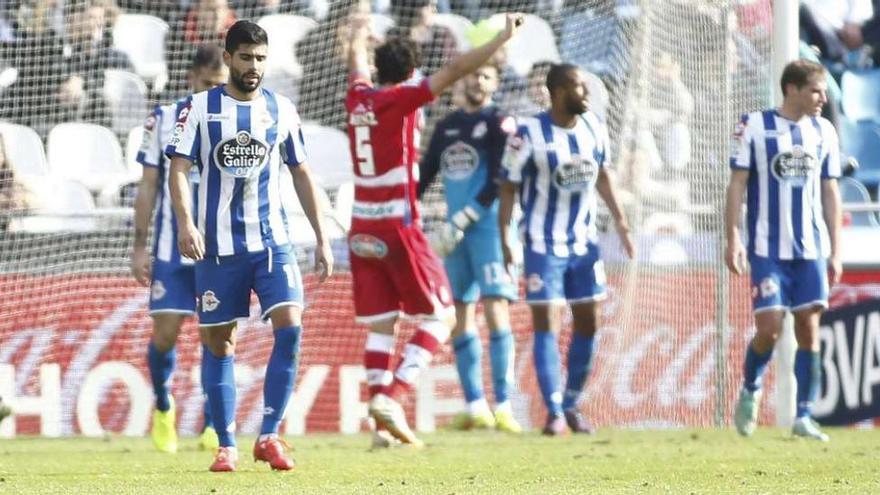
573 278
173 289
476 268
788 284
224 284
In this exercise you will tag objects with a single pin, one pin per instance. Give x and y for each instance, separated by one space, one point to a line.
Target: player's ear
227 58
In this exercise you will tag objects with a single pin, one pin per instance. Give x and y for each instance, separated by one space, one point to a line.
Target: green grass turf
614 461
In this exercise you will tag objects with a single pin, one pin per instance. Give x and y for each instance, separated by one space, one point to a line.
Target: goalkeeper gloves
444 239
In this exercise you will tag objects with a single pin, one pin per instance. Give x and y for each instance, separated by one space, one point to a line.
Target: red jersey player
392 265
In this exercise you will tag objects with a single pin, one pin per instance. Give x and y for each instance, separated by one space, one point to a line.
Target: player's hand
359 26
444 239
626 239
190 242
512 24
323 261
735 257
140 265
835 270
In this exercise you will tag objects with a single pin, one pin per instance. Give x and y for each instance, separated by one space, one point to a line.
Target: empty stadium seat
853 191
534 42
59 205
126 97
860 97
142 38
328 155
24 150
284 31
89 154
861 139
458 25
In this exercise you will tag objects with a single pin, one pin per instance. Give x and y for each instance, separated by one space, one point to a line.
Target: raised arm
305 190
358 59
471 60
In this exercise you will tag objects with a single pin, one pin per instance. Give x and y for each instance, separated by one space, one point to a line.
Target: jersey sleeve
150 152
831 163
409 98
293 147
517 152
186 141
605 160
430 163
742 151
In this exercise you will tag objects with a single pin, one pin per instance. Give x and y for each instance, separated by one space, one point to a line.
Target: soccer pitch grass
613 461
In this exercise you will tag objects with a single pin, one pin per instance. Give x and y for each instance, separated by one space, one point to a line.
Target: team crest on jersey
240 156
368 246
209 301
157 291
534 283
575 175
479 130
795 166
459 160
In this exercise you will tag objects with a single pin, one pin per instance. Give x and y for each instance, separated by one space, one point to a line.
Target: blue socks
807 372
547 367
207 407
161 366
468 352
754 367
501 356
280 377
580 360
219 385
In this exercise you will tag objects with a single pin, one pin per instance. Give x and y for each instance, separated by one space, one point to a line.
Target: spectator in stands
37 54
415 19
604 52
670 108
163 9
836 28
206 22
323 54
254 9
13 193
88 53
535 98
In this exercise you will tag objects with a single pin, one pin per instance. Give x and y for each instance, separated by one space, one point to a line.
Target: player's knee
220 340
496 312
286 316
166 327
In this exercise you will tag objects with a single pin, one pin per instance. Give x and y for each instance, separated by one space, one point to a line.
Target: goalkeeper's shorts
394 270
572 279
788 284
476 268
173 289
224 284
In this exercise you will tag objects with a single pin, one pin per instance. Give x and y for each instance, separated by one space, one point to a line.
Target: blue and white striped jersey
557 170
240 147
158 130
786 161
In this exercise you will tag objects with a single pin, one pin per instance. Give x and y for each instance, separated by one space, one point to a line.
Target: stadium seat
861 139
860 96
142 38
285 30
132 146
60 205
458 25
328 155
380 24
853 191
298 225
126 96
534 42
24 149
89 154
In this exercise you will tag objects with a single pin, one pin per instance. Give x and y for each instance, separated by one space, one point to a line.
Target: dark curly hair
396 59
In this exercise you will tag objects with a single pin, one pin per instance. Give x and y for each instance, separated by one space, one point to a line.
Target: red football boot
224 460
273 450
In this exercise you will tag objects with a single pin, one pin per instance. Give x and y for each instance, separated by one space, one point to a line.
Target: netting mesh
670 78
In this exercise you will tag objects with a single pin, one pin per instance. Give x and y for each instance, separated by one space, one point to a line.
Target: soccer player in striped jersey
170 275
241 135
393 267
466 149
787 162
558 160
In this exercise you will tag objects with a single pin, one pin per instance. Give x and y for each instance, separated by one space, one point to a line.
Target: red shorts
395 270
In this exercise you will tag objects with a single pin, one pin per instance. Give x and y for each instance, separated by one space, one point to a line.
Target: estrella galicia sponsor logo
576 175
459 160
241 156
367 246
794 166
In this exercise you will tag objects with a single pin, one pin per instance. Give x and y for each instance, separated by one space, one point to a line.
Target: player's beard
237 80
577 106
476 98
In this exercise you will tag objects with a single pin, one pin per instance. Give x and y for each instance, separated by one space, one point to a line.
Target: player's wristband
465 217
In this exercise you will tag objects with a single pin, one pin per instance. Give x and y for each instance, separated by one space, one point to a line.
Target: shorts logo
367 246
534 282
459 160
479 130
209 301
576 175
241 156
768 288
157 291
